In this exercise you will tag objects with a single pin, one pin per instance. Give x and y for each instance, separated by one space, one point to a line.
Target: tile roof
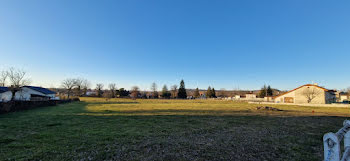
326 90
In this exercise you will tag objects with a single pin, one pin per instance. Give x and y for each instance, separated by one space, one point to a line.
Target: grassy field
124 129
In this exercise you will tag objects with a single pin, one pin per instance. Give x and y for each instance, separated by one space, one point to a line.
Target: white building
250 96
237 97
27 93
343 98
5 94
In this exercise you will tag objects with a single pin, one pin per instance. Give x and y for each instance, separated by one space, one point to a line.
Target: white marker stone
331 147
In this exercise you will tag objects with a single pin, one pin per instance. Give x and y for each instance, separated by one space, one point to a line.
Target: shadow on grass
232 135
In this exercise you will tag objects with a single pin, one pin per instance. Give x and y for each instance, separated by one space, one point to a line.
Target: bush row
13 106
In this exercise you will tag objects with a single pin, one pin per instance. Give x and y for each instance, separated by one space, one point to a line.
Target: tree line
265 91
16 78
175 92
79 87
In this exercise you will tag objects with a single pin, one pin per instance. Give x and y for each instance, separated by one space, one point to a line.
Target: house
31 93
344 97
250 96
237 96
309 93
5 94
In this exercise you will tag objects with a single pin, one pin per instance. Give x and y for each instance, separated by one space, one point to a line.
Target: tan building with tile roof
309 93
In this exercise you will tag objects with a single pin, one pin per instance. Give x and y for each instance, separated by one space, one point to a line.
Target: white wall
250 96
280 99
344 98
299 97
319 99
25 93
6 96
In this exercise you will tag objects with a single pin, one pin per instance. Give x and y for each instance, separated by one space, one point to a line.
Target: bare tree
99 88
68 84
17 80
222 92
85 86
135 92
112 88
78 83
3 77
310 93
174 91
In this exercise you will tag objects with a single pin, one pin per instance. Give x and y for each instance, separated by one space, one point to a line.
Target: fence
12 106
331 144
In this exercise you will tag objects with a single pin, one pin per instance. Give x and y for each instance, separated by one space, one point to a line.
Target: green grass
124 129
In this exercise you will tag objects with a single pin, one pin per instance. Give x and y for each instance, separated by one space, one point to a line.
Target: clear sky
226 44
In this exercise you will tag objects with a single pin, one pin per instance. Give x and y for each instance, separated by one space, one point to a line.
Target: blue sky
226 44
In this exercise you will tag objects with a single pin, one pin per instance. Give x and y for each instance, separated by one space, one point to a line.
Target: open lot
124 129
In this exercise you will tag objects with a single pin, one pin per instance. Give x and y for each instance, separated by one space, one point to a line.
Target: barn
309 93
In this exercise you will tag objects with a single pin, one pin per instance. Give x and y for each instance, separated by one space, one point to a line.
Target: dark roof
42 90
3 89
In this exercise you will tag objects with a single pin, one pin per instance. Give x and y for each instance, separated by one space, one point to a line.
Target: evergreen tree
262 92
213 93
209 92
154 90
196 93
182 90
165 92
269 91
122 92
